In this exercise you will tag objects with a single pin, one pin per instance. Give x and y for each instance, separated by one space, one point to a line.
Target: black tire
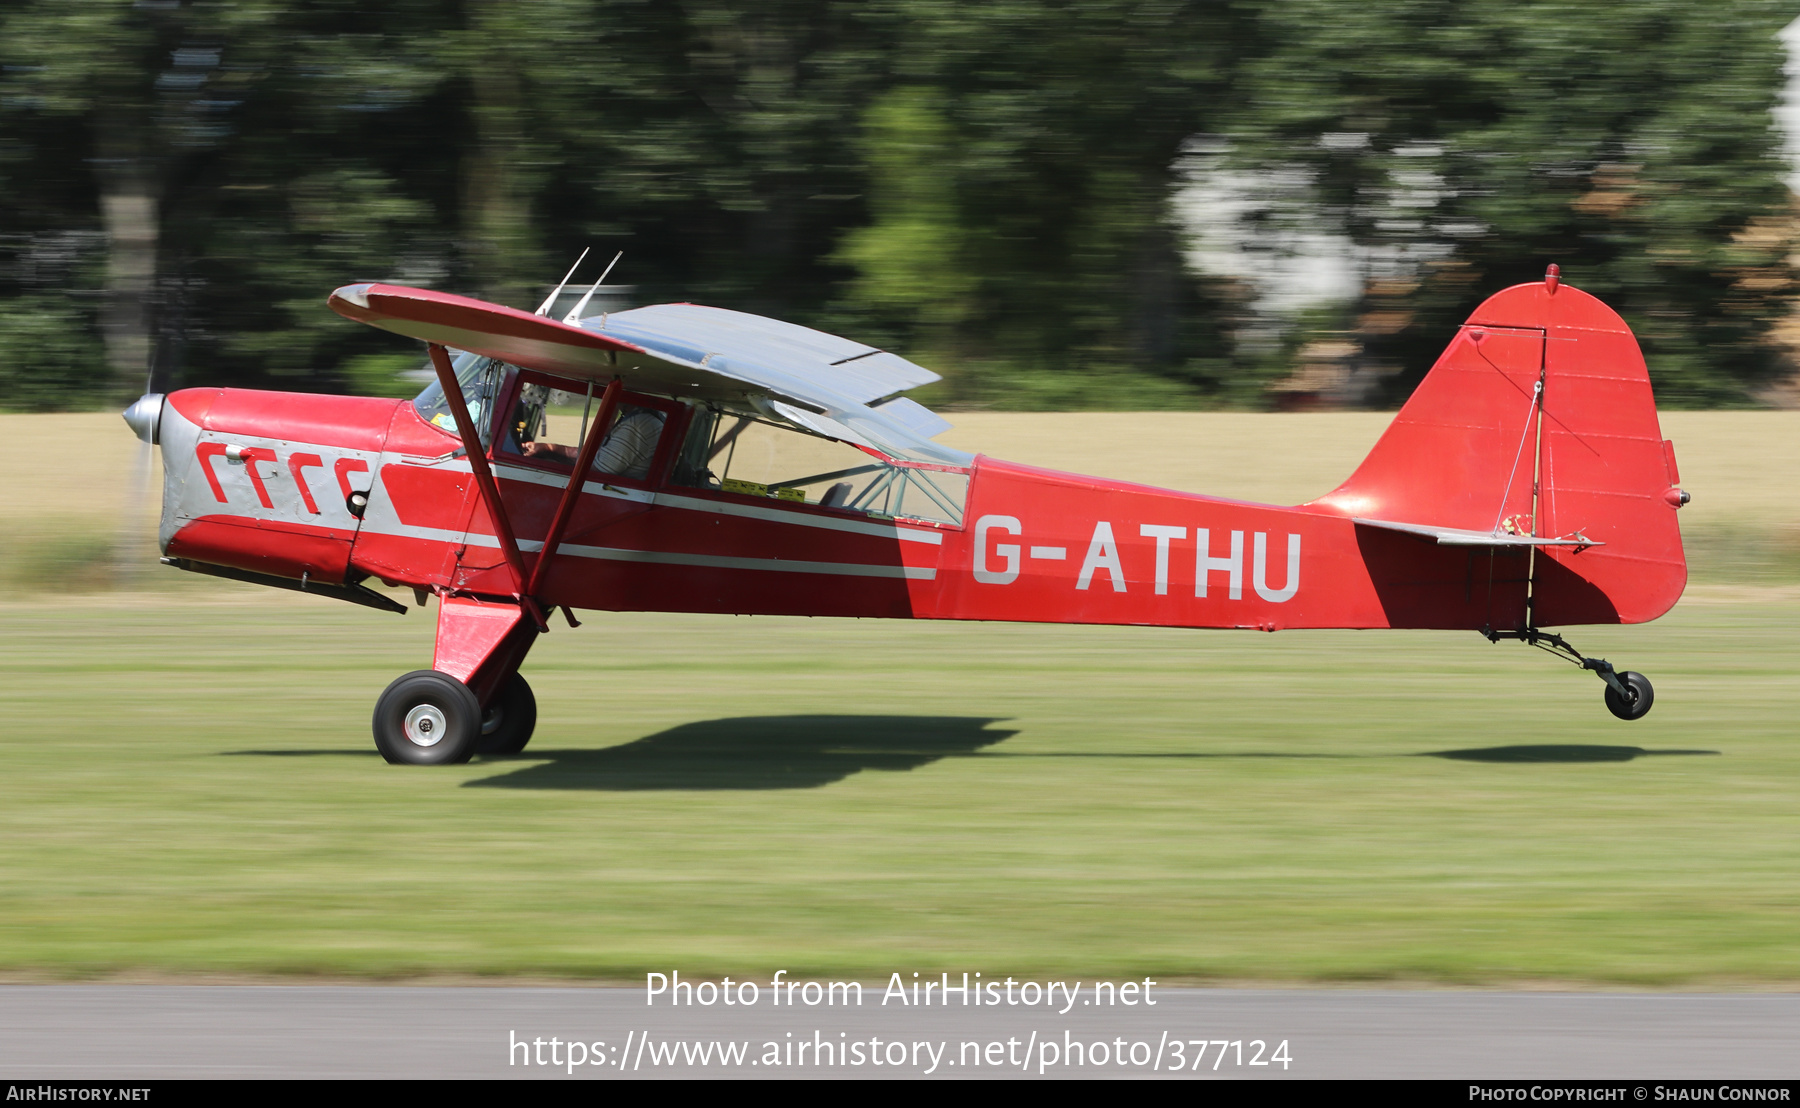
444 718
507 724
1637 706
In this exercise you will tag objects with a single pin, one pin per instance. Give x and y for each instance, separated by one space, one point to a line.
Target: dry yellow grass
1271 459
76 468
1742 467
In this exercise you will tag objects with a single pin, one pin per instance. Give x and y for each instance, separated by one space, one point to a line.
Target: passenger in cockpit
630 446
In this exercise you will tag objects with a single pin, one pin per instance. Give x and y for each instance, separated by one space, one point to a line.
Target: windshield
480 381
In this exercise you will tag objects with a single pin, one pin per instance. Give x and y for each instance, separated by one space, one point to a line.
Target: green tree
1465 144
109 69
1019 179
714 142
232 160
986 187
915 257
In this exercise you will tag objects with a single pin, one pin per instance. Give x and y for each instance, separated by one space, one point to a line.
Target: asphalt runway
218 1031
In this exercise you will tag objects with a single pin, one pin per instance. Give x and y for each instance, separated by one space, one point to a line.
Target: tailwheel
1628 695
1633 698
427 718
510 718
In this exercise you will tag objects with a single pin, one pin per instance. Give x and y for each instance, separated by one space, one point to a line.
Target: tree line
992 189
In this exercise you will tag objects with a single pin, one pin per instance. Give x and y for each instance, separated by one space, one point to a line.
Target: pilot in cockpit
627 450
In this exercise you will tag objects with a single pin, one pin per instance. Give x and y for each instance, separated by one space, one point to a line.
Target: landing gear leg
472 700
1628 695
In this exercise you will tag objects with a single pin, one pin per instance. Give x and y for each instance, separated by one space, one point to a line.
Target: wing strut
590 446
484 478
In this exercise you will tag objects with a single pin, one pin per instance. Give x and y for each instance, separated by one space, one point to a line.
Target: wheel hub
426 725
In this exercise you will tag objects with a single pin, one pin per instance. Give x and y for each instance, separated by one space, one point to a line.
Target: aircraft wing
780 357
464 323
844 389
1455 536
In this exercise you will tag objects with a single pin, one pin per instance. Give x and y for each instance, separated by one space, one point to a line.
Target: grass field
188 786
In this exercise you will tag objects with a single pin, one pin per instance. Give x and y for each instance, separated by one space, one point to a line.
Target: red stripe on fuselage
265 546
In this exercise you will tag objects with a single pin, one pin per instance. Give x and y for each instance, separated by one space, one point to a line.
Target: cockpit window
480 380
754 456
547 425
526 430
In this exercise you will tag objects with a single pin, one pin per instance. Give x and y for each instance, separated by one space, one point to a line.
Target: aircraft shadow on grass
754 752
1569 752
1542 754
805 752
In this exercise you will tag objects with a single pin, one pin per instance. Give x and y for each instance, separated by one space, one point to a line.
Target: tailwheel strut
1628 695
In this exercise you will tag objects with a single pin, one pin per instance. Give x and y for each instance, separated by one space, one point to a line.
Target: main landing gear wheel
1637 699
508 722
427 718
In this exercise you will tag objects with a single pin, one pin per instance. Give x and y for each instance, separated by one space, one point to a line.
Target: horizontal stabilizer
1456 536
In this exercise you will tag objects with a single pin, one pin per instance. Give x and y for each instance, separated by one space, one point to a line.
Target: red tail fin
1466 450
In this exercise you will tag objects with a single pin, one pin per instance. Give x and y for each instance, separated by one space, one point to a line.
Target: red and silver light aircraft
693 459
